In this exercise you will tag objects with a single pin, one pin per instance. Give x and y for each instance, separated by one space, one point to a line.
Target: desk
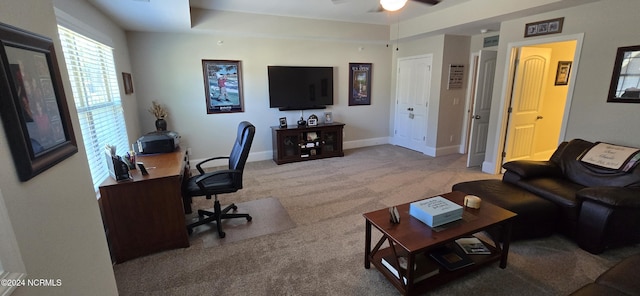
145 215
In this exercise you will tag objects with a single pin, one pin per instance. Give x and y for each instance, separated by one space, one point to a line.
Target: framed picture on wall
223 86
562 74
33 105
359 84
128 83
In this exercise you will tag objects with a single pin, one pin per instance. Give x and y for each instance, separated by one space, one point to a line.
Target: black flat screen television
300 88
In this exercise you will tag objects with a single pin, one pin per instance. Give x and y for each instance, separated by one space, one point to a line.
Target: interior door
526 102
412 98
481 107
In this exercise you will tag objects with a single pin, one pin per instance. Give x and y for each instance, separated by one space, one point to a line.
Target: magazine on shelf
424 267
473 246
451 258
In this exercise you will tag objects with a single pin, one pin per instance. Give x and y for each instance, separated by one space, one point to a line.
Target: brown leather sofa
621 279
598 207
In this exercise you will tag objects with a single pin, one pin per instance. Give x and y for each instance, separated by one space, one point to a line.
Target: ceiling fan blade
430 2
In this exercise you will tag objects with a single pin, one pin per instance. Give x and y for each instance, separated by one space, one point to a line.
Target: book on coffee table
451 257
473 246
424 267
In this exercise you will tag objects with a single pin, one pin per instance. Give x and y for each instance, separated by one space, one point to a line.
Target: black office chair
219 182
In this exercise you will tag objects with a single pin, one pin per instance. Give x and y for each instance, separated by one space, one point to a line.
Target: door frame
507 87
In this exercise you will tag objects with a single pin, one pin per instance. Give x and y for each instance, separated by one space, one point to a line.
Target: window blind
97 98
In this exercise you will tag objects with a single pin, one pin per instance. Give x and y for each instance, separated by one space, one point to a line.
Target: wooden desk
145 215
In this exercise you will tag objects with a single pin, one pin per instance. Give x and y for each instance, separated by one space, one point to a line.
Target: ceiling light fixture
393 5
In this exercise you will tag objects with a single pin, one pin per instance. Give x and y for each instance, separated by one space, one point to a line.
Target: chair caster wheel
222 234
249 218
234 208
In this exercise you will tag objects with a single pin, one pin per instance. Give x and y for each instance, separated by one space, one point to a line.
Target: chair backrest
240 150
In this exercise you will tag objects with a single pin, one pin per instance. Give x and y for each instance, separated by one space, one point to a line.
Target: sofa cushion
562 192
589 175
594 289
623 276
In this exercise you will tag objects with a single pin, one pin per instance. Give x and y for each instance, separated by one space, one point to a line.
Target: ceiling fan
392 5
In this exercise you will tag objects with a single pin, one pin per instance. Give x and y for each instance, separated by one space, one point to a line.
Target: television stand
300 143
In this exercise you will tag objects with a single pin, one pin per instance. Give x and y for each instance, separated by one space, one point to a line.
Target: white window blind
97 97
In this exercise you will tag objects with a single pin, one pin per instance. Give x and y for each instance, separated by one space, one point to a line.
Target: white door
412 98
526 102
481 107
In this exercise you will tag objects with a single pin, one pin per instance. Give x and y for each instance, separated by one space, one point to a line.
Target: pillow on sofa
611 156
590 175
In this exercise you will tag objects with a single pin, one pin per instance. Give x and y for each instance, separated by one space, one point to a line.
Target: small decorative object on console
328 117
313 120
302 122
435 211
283 122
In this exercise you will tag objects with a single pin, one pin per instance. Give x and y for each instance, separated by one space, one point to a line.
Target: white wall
167 67
55 215
607 25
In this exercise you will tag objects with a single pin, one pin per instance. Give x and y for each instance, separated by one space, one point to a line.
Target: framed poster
222 86
551 26
562 74
33 104
360 84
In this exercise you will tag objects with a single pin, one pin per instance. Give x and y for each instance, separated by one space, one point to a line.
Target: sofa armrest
611 196
530 168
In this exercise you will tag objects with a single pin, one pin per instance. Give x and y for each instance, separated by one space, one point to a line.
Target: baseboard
447 150
365 143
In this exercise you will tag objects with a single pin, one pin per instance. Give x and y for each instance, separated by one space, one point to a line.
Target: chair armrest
531 168
200 179
199 165
611 196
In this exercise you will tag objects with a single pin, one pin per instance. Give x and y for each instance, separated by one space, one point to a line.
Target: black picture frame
562 73
127 82
359 84
620 90
546 27
33 104
283 122
223 86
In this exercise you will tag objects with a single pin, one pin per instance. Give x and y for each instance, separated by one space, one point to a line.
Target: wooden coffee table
412 237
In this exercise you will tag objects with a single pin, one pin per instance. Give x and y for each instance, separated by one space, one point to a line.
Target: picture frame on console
223 86
283 122
359 84
328 117
33 105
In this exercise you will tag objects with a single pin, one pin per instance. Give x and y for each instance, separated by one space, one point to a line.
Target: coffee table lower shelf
443 275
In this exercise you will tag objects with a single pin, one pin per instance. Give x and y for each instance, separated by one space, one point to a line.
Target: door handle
539 117
409 109
477 117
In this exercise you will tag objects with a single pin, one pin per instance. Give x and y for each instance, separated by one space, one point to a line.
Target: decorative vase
161 125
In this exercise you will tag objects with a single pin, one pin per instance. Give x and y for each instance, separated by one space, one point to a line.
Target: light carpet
324 253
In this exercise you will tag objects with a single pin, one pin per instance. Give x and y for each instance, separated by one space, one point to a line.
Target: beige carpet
323 254
268 216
